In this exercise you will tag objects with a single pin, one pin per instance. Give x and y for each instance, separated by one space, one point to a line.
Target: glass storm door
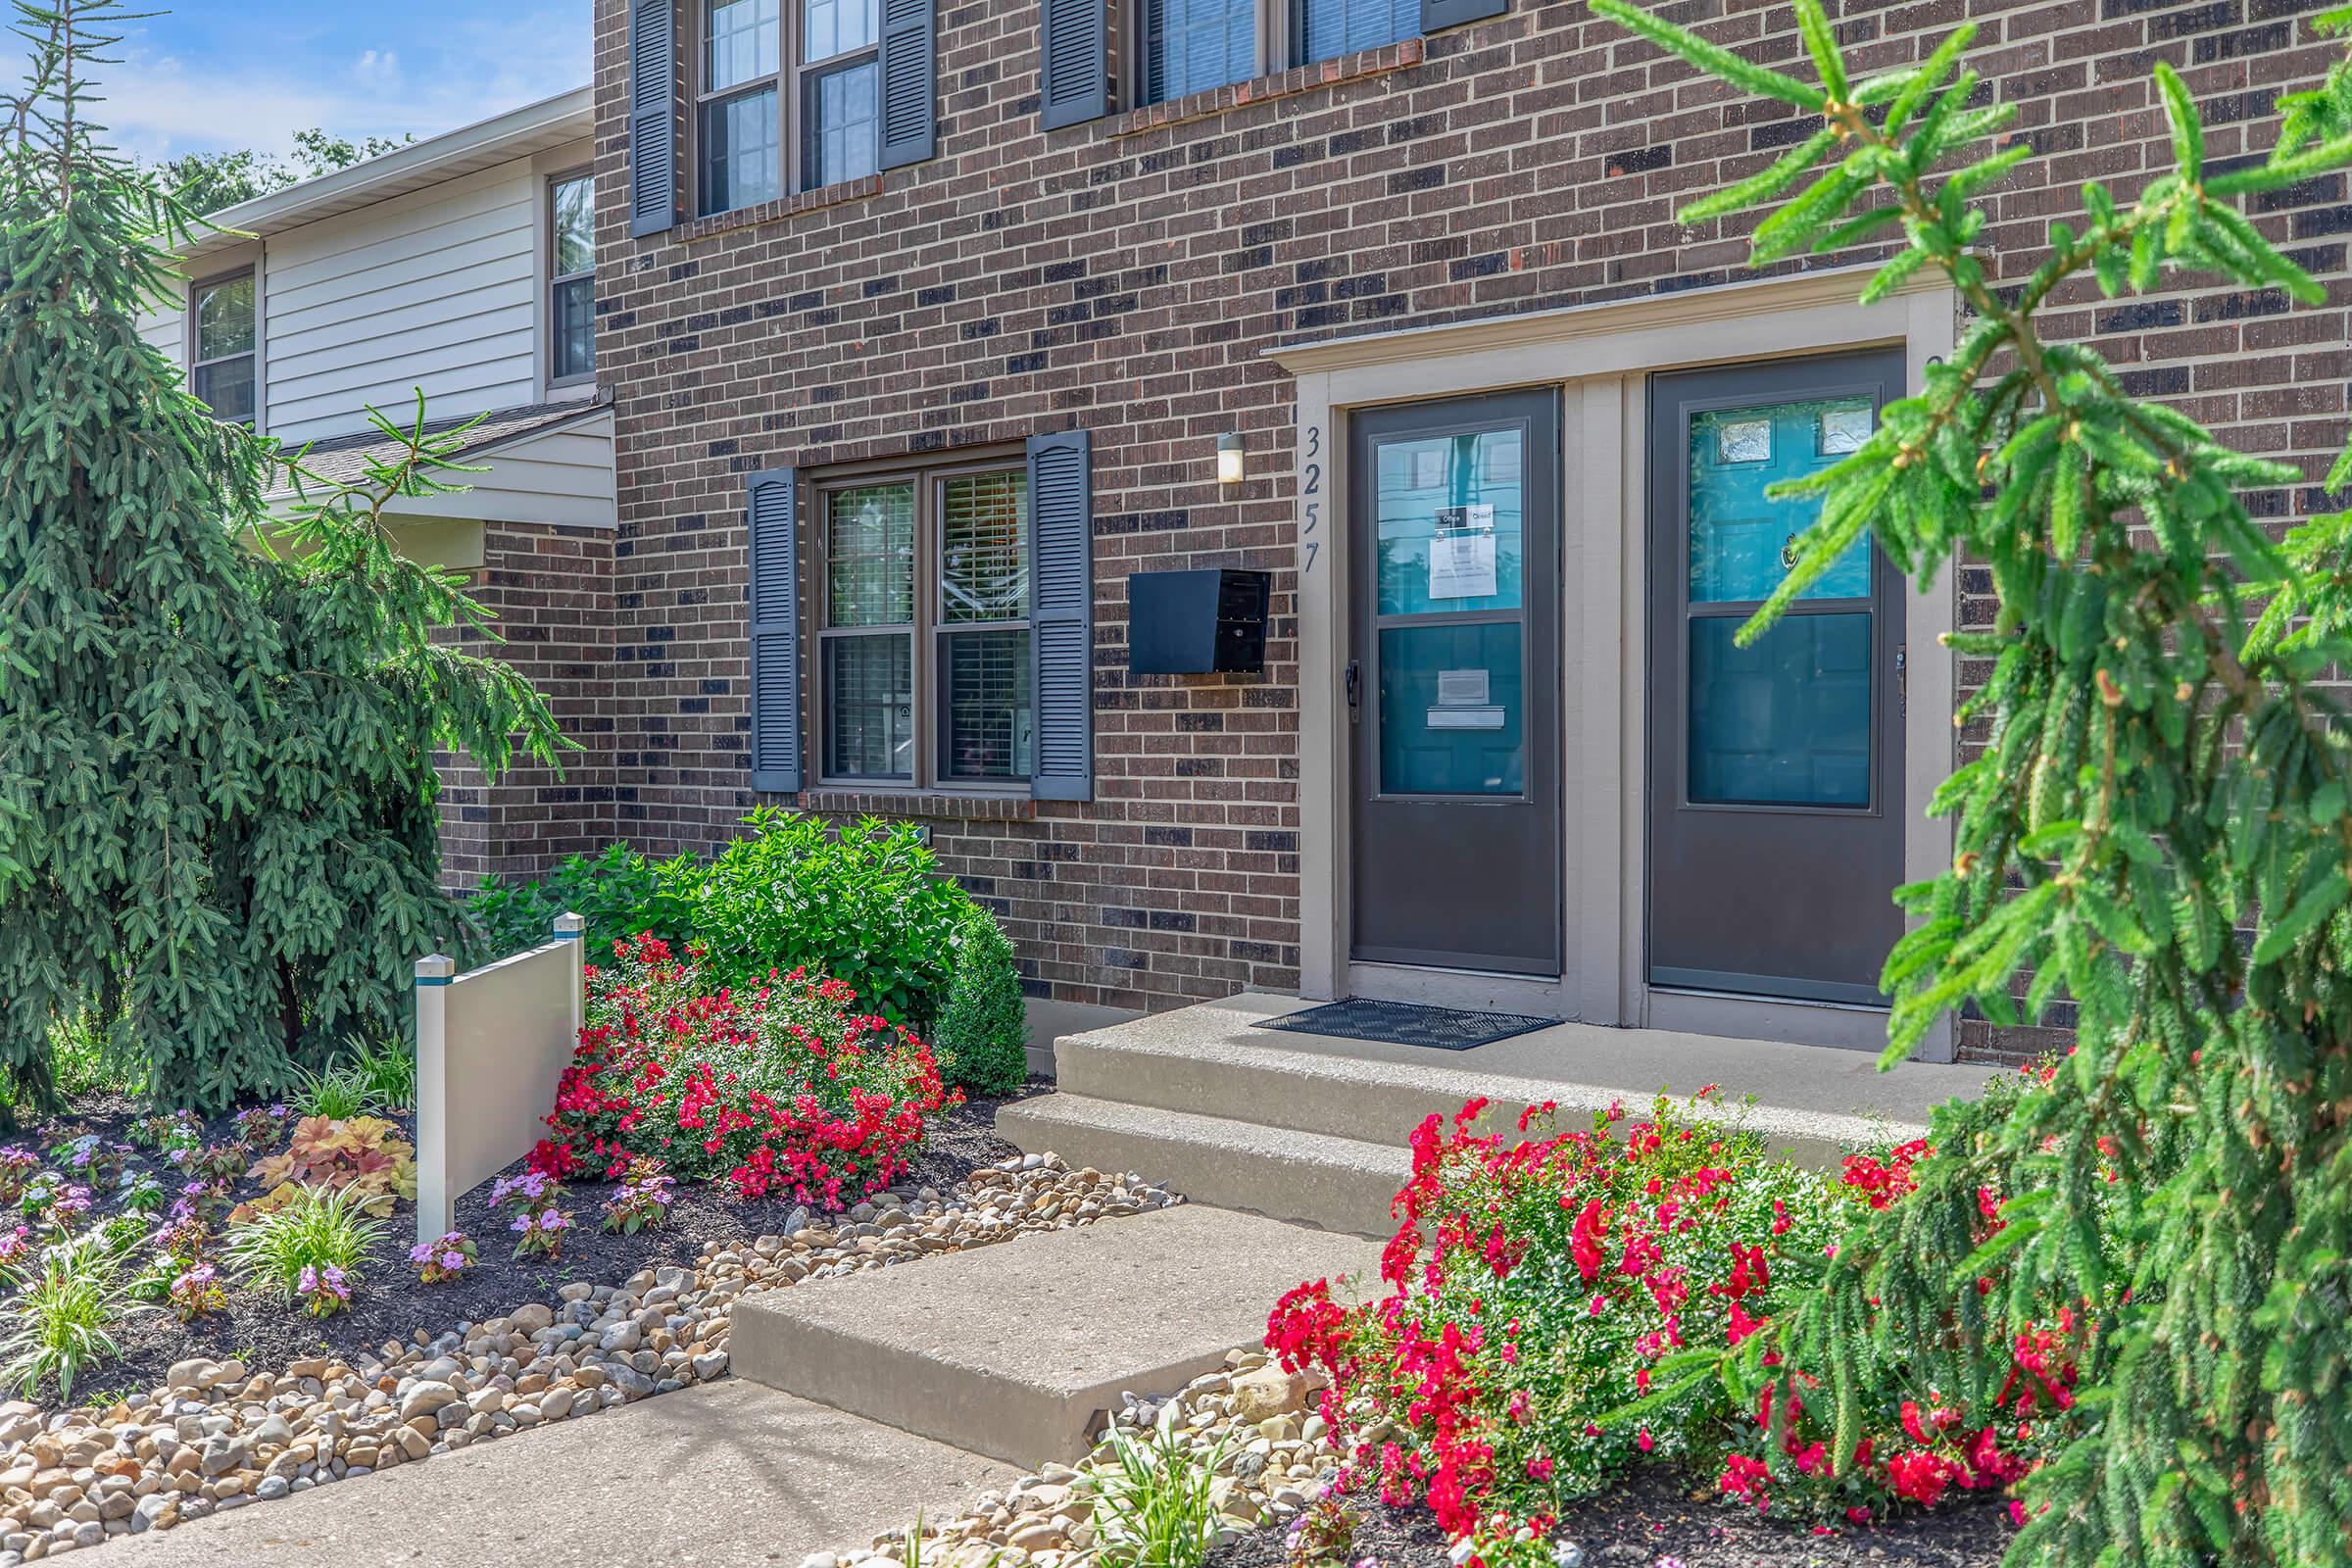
1775 819
1453 684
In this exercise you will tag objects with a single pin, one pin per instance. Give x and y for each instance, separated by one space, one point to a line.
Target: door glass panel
1451 521
1742 541
1452 709
1784 721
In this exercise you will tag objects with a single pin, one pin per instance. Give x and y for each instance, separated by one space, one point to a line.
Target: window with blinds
924 659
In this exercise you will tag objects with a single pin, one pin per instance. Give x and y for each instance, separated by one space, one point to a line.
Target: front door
1775 806
1453 684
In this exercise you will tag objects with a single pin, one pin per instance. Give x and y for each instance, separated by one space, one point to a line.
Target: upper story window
762 127
222 339
572 278
1189 46
923 666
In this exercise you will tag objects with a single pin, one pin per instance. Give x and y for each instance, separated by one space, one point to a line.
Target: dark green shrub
867 905
982 1038
219 822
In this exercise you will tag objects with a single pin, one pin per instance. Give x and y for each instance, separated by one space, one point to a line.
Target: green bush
865 904
620 893
983 1036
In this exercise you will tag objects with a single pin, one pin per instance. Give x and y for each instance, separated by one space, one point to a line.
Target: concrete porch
1312 1127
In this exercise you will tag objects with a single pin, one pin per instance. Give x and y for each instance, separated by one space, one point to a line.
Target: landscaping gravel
216 1433
261 1330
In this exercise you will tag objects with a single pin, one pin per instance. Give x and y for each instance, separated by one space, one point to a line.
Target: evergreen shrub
2156 829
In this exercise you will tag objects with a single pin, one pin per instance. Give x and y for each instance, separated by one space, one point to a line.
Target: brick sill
783 207
1282 85
920 805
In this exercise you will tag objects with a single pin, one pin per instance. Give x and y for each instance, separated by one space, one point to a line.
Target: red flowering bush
783 1089
1560 1306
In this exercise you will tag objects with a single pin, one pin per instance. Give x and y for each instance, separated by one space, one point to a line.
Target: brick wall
549 592
1124 276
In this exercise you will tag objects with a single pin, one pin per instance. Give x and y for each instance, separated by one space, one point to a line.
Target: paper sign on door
1462 701
1461 566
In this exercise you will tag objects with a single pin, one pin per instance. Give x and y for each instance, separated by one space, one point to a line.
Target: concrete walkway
1022 1350
726 1474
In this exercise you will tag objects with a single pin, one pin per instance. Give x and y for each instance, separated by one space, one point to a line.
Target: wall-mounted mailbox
1197 623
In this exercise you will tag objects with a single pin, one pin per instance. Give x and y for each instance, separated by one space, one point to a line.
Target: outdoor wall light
1229 458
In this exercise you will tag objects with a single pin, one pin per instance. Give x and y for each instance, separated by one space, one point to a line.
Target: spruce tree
216 799
2156 829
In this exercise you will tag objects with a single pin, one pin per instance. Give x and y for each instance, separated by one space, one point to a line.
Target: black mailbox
1197 623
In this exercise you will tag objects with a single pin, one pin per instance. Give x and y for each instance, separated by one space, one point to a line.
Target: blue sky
219 73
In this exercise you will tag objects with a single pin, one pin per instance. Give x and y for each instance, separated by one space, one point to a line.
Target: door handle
1902 679
1354 682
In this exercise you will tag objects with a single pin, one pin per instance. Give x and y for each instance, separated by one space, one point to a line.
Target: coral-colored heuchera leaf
365 1154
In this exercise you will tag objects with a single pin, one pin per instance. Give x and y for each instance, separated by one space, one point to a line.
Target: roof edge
281 210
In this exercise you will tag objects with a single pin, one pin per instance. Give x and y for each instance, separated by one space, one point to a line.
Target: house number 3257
1310 498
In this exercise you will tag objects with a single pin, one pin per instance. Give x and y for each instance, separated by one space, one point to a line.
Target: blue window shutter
773 516
1061 587
653 116
910 83
1436 14
1073 62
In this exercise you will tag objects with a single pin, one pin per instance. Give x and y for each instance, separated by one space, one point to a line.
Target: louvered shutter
910 83
1073 62
1061 579
1436 14
653 116
775 526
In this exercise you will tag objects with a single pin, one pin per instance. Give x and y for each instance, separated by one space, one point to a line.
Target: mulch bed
1650 1517
264 1333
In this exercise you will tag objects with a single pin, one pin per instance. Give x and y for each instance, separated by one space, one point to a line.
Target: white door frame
1600 357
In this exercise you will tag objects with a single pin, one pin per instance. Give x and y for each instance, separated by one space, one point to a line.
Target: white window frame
195 331
552 281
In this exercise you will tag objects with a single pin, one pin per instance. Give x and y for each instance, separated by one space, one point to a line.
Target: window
745 97
923 662
1189 46
222 361
572 278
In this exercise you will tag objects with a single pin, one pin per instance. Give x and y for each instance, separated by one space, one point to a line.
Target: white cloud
160 104
377 68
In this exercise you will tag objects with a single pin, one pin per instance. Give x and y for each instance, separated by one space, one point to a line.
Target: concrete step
1020 1351
727 1472
1337 1183
1813 1102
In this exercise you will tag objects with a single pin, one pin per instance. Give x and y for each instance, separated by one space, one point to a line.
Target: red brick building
929 327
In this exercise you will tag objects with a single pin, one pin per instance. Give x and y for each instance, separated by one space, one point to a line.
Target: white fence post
434 1200
572 928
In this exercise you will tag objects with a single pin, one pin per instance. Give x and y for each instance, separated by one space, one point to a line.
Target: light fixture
1229 458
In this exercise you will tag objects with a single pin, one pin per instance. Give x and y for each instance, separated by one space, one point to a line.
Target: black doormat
1401 1024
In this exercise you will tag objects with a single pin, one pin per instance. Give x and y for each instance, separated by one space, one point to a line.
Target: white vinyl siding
166 330
436 289
563 477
